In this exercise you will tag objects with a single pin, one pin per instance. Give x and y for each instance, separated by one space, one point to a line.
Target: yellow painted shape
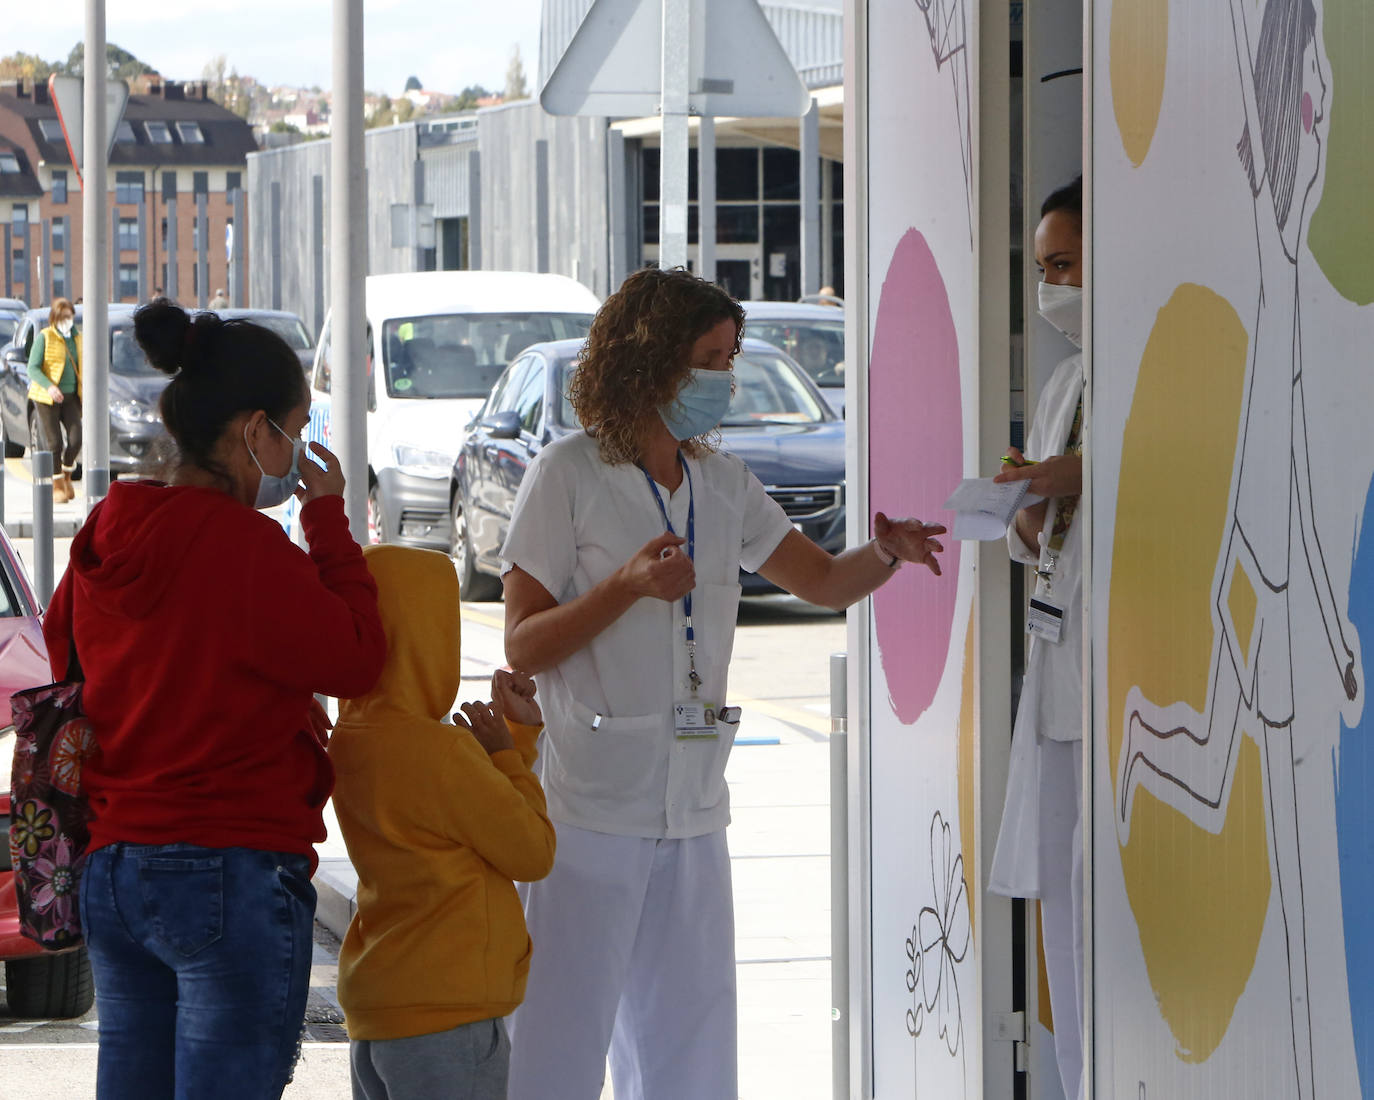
1137 50
1042 974
1242 603
1199 899
967 758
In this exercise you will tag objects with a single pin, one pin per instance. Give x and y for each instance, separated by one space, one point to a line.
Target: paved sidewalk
18 503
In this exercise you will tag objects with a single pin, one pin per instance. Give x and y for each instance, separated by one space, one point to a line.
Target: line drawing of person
947 24
1187 758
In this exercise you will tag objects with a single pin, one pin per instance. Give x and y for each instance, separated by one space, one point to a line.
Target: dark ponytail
219 369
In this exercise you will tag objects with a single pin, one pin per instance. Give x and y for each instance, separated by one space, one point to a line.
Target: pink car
38 984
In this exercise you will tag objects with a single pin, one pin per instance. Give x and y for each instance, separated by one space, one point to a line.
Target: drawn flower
72 747
939 942
30 827
25 770
55 871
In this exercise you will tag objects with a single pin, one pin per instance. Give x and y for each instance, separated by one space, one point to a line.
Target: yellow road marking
804 718
484 619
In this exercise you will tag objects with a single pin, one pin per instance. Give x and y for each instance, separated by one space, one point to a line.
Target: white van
439 340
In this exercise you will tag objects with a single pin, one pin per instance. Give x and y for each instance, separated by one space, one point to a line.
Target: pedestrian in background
202 634
438 819
55 390
220 300
622 587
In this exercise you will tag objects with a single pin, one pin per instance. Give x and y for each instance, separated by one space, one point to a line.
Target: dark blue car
778 423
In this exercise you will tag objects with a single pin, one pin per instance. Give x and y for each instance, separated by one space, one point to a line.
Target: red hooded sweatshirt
202 632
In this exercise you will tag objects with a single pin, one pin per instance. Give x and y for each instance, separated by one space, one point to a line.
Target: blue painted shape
1355 813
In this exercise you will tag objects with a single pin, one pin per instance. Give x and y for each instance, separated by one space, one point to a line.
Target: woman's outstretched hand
909 539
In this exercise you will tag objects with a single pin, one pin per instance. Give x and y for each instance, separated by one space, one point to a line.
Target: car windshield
816 344
290 329
462 354
126 357
767 391
8 325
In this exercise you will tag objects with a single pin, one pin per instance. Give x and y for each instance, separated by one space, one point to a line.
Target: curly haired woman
621 579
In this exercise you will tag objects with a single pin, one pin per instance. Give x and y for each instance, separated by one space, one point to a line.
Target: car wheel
472 584
50 987
376 518
12 449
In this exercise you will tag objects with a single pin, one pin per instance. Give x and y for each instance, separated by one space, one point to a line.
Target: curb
336 887
62 528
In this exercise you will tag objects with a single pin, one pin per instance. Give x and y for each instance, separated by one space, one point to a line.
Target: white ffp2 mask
1062 306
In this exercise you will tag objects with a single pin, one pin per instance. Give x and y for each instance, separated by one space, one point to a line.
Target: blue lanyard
691 556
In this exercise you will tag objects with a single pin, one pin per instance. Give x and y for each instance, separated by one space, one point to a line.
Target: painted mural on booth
1233 800
926 1003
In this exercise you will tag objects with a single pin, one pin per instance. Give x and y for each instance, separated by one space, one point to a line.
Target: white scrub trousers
634 951
1061 902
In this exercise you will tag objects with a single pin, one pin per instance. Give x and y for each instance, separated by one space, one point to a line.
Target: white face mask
65 327
1062 306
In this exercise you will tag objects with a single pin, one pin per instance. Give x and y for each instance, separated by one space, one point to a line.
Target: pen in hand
1024 462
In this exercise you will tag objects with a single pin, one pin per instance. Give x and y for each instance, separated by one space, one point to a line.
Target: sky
448 44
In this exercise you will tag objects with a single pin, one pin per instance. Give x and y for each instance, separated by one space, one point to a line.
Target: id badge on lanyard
1045 614
692 719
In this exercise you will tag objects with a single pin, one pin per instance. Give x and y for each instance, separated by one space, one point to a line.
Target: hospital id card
694 721
1045 619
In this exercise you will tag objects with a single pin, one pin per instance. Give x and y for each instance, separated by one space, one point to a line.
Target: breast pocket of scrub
714 611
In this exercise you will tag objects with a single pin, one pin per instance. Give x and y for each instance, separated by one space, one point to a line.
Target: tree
516 88
26 66
214 75
413 84
468 97
120 64
405 110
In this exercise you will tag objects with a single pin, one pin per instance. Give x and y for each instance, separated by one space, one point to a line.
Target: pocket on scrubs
621 760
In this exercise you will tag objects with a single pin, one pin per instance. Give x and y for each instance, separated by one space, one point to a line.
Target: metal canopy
736 66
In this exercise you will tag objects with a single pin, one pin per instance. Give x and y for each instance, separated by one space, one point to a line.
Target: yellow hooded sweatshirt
435 827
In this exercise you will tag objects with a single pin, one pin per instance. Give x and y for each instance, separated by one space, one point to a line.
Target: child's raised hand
512 694
485 723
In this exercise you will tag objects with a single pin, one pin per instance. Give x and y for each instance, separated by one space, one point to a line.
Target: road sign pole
672 226
95 289
348 247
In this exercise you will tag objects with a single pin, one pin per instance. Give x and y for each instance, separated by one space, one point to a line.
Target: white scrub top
576 521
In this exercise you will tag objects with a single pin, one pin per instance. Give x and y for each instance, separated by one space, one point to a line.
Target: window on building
127 238
20 218
190 134
128 187
59 185
164 233
233 181
59 280
737 174
158 133
51 129
200 183
124 133
128 281
9 164
59 234
169 185
195 280
19 267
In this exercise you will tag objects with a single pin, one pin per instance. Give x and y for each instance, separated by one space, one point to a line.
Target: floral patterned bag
49 817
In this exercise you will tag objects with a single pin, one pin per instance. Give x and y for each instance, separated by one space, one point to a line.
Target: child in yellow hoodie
438 819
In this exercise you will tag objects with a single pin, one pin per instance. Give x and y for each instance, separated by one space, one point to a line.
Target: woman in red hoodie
202 634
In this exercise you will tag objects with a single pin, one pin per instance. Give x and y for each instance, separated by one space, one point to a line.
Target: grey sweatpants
470 1062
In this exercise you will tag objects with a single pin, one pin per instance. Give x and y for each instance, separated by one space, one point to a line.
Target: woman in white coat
622 584
1040 848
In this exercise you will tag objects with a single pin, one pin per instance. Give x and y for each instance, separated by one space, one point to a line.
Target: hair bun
163 330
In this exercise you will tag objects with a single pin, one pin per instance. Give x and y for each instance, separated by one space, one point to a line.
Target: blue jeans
201 959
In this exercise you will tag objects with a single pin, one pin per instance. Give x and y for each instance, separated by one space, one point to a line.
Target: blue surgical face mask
274 489
701 403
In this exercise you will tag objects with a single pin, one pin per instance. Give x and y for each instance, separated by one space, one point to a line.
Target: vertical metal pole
827 223
541 206
348 251
475 211
706 198
618 261
839 876
811 200
672 225
95 289
42 524
45 236
317 276
274 238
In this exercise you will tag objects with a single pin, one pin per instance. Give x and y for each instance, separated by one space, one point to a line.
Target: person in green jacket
55 390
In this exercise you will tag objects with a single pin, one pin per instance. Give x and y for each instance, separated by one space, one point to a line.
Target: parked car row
138 442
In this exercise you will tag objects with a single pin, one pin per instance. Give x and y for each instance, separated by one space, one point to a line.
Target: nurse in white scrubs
1040 848
622 585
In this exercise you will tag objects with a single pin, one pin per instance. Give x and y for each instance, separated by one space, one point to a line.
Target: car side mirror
502 425
15 359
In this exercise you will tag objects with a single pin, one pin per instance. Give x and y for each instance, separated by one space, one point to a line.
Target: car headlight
134 412
422 463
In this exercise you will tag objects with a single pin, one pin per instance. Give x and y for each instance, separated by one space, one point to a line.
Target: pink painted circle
916 457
